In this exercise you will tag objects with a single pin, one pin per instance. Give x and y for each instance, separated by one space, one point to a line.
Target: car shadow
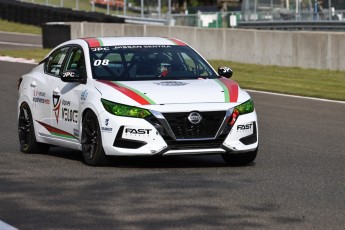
186 161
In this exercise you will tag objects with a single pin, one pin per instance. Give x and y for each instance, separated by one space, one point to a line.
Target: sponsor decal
141 46
57 132
194 118
245 127
68 74
66 103
138 131
83 95
39 97
70 115
171 83
230 89
56 108
76 132
100 49
106 129
129 92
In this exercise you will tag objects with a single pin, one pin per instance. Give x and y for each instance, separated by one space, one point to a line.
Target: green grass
36 54
288 80
19 28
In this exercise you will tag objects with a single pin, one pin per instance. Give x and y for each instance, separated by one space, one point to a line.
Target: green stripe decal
63 135
137 92
100 41
225 89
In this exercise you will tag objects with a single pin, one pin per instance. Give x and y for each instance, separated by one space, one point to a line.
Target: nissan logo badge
194 118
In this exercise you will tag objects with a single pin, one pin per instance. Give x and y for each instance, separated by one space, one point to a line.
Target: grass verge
304 82
19 28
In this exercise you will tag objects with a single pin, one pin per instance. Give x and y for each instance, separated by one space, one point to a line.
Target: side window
77 61
56 60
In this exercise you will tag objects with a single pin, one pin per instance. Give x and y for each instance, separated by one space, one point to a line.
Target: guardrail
294 25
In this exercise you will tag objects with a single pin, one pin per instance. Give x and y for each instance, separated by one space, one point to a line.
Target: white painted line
20 44
23 34
295 96
4 226
18 60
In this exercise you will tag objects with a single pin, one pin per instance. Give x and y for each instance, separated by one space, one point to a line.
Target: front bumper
123 136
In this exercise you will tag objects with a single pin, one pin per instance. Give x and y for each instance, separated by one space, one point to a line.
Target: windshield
148 62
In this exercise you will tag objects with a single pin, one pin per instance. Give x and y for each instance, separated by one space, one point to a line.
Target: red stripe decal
129 93
232 87
52 129
92 42
178 42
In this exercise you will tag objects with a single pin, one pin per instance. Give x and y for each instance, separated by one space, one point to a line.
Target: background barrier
319 50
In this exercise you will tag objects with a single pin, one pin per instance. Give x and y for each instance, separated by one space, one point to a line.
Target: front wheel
91 141
240 158
26 133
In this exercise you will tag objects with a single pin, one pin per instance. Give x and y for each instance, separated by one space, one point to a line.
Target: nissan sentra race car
134 96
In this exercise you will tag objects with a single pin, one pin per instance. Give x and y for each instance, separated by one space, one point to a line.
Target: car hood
157 92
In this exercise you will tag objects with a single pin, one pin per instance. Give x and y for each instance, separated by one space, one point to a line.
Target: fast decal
244 127
56 108
83 95
230 89
129 92
138 131
93 42
106 129
57 132
171 83
40 97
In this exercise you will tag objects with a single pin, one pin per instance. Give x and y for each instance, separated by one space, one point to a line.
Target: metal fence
158 13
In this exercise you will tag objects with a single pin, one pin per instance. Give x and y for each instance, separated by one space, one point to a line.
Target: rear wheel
26 133
91 141
240 158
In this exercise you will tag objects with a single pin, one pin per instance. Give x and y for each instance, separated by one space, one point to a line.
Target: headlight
124 110
246 107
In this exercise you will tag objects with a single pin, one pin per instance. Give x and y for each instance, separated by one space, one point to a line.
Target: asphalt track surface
297 181
14 41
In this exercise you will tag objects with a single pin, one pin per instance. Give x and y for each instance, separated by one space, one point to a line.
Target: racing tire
91 141
26 133
240 159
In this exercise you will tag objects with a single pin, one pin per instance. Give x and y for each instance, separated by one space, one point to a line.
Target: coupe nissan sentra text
134 96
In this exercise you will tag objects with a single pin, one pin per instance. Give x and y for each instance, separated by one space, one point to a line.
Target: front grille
184 129
196 144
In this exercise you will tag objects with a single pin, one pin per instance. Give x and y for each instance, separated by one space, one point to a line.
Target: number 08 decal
99 62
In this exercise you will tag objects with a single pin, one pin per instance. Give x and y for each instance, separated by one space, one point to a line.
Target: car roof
131 41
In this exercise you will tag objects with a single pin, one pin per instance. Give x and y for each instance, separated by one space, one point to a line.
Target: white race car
134 96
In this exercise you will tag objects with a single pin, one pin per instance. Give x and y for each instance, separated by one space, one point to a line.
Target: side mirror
72 75
225 72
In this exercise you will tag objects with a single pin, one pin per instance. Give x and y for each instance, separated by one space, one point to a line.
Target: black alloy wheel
91 141
26 133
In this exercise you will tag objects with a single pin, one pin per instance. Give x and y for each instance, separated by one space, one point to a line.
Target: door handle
33 84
